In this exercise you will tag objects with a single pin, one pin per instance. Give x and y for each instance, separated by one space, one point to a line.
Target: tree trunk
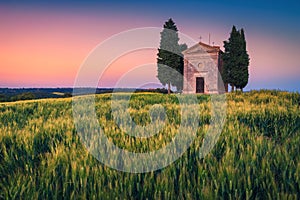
226 87
169 88
242 89
232 88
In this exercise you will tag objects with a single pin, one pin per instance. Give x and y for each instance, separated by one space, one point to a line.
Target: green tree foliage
170 57
178 81
2 97
236 60
243 73
24 96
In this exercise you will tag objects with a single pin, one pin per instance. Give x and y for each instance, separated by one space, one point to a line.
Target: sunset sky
44 44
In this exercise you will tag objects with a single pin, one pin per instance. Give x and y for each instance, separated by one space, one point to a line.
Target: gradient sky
43 44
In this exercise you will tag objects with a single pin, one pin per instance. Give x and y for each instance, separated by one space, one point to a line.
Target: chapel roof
209 46
202 46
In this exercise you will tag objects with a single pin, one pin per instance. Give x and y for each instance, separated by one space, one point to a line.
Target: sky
43 44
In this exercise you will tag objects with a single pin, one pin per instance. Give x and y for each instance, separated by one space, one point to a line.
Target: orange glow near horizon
125 63
46 49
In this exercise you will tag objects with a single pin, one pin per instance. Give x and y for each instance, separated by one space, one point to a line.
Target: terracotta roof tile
209 46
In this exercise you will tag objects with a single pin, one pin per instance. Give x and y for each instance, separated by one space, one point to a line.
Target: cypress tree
242 72
170 57
178 78
229 58
235 60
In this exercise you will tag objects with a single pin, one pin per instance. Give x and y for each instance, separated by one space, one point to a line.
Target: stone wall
202 60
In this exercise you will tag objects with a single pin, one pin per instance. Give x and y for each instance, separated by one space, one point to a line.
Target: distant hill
16 94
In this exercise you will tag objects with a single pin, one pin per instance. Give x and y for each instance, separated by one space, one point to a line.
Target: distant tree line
8 95
29 96
17 97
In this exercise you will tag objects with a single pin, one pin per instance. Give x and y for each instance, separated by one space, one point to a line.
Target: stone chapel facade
202 68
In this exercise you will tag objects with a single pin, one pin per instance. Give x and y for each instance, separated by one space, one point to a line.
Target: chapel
202 70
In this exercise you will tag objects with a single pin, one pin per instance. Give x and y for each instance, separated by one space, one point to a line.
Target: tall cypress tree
170 57
178 78
242 72
235 60
229 58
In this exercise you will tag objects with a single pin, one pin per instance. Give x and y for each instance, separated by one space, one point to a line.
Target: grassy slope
257 154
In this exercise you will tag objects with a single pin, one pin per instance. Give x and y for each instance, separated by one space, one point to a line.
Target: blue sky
272 31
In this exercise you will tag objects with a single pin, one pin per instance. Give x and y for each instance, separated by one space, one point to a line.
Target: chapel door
199 85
